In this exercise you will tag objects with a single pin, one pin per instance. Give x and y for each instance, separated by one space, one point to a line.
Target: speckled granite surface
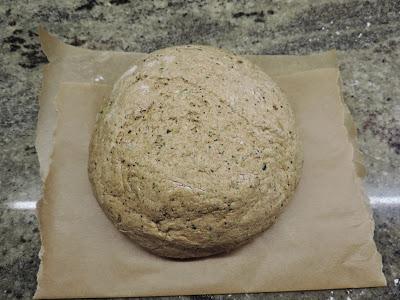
365 32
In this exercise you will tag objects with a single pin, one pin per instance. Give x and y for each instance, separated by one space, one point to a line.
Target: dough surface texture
195 152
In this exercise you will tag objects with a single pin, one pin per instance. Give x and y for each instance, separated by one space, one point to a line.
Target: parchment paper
323 240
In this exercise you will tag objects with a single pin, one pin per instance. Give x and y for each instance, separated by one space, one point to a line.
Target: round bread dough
195 152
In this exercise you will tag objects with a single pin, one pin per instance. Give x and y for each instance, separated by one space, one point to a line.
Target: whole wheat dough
195 152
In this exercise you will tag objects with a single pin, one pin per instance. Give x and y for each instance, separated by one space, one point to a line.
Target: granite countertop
366 33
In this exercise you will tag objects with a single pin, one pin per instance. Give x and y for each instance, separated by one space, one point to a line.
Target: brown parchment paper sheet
324 239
